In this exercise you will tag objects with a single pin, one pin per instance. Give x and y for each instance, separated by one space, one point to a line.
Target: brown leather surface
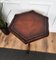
29 26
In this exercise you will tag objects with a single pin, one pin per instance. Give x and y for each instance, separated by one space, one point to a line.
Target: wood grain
47 44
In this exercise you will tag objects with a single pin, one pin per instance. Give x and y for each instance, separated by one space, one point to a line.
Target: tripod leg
28 48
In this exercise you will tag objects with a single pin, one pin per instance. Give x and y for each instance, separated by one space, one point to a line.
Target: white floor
45 7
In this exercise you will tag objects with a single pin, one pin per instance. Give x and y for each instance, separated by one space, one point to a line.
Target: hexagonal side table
29 26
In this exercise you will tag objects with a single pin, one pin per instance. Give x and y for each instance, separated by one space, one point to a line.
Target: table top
29 26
